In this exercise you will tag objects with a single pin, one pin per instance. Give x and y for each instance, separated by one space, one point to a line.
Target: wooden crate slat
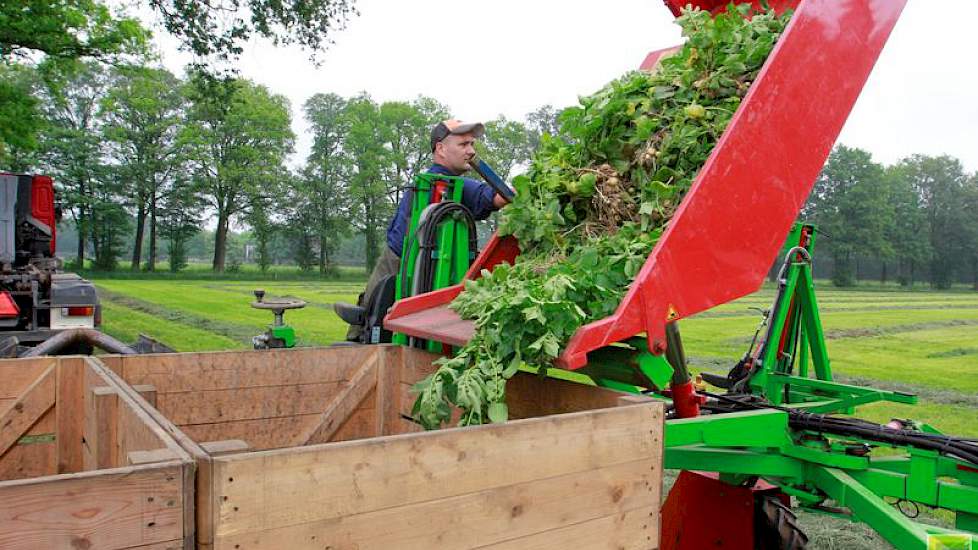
28 408
343 404
635 529
300 485
176 372
109 509
476 518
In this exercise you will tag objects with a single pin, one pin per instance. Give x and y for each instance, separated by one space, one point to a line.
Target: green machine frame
789 373
451 256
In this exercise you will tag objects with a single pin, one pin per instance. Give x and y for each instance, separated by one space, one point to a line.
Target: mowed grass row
925 345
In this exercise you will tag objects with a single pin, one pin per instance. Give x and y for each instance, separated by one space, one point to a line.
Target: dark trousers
387 265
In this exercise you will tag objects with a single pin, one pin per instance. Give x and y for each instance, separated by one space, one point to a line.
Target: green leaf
498 413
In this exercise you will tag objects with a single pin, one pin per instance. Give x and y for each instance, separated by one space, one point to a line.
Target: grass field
920 341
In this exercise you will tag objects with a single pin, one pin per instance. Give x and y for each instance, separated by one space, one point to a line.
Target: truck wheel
776 526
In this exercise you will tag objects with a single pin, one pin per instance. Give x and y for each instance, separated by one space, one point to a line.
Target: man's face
455 151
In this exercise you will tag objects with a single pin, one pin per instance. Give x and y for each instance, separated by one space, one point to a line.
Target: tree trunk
220 242
82 227
151 265
137 249
94 233
974 272
82 230
322 255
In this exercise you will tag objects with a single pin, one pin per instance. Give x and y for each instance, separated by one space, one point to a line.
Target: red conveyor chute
721 241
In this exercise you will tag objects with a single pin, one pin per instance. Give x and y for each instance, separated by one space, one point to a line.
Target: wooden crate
313 448
82 465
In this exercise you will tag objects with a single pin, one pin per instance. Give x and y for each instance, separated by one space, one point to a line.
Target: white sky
509 57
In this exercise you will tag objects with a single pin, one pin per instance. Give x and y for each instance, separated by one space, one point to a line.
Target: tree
909 236
240 133
323 203
939 182
180 211
143 113
850 203
543 121
406 130
969 207
219 27
67 29
506 145
370 199
20 118
71 148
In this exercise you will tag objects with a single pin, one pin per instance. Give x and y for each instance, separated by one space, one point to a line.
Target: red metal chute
720 243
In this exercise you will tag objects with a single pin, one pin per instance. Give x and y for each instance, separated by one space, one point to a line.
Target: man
452 147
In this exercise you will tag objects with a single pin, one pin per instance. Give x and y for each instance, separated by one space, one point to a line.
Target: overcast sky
509 57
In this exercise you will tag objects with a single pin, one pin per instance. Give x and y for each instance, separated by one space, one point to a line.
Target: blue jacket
477 196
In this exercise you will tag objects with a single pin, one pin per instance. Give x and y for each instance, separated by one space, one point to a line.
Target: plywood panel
287 487
478 518
223 370
636 529
70 414
17 374
110 509
37 398
249 403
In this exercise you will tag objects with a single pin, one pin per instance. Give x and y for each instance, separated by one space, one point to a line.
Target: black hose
427 238
73 336
961 448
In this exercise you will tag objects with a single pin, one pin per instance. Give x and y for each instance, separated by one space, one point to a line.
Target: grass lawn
922 341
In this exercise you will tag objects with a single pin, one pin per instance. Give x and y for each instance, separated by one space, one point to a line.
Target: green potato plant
592 206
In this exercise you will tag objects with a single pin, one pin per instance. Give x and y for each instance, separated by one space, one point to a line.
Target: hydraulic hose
961 448
73 336
426 236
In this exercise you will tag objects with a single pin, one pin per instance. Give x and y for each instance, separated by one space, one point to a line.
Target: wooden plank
112 509
226 446
388 391
300 485
69 409
361 424
631 530
168 545
164 430
136 458
478 518
147 392
36 400
263 433
176 372
201 407
17 374
106 418
24 461
343 404
135 434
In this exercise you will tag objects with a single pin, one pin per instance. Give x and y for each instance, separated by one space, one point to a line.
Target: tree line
141 155
916 220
